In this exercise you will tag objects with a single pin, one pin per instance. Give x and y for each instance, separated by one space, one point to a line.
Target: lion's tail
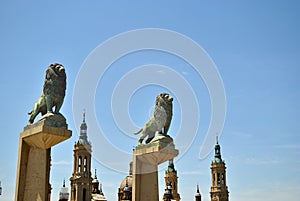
138 131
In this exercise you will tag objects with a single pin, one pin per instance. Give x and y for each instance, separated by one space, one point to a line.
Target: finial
198 189
217 138
64 184
95 173
83 115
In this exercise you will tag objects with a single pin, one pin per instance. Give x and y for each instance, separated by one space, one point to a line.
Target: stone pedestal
33 170
146 159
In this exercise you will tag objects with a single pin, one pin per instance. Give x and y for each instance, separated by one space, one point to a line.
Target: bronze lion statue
53 92
161 120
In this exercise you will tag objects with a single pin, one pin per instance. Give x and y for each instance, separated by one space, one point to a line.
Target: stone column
146 159
33 170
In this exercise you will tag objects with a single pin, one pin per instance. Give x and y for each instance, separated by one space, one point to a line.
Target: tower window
223 178
85 164
79 163
218 179
84 194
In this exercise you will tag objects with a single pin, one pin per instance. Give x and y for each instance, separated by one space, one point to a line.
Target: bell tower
81 180
171 178
219 190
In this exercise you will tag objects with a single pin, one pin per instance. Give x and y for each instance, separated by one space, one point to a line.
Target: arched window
79 163
85 164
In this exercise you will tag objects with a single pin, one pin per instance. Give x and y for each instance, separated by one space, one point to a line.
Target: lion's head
163 110
55 81
164 100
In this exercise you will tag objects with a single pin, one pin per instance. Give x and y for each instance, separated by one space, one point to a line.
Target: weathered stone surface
43 136
33 170
146 159
50 119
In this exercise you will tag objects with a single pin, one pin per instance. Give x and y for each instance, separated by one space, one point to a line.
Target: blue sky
254 45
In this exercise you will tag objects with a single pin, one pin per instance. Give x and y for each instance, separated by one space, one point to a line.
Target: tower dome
128 181
125 190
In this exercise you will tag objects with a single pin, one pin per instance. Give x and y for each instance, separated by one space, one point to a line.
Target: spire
83 116
95 173
63 194
100 191
217 158
83 132
198 195
198 192
83 124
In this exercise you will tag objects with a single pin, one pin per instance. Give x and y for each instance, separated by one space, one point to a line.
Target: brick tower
81 180
171 178
219 190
